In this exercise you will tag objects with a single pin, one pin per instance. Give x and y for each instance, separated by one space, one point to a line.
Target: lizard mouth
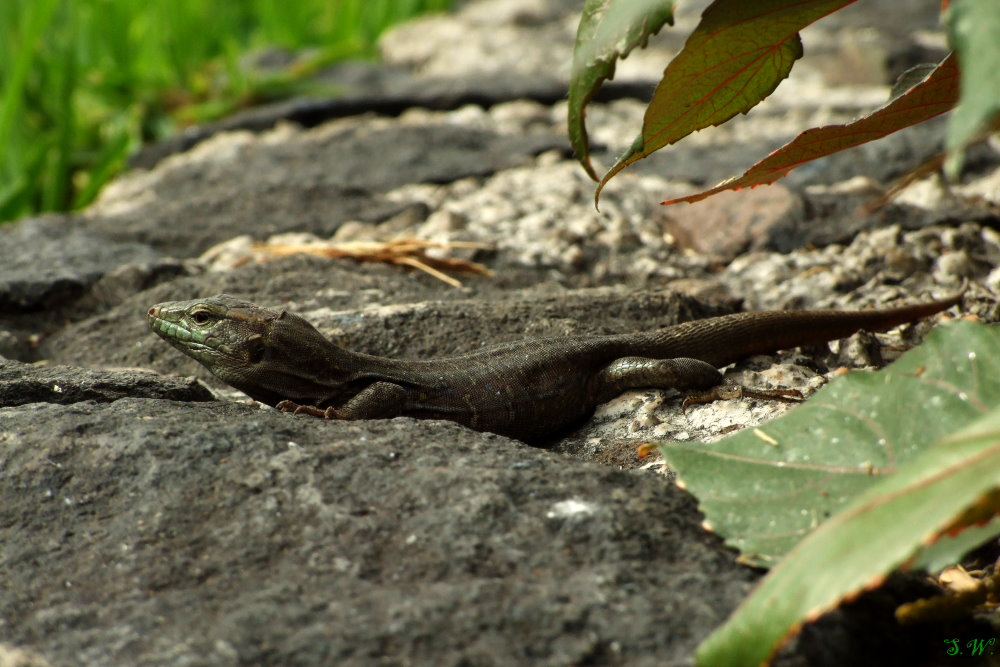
165 328
178 336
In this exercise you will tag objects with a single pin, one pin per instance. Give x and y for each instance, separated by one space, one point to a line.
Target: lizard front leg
379 400
700 380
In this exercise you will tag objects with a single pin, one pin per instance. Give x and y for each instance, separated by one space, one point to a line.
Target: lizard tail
723 340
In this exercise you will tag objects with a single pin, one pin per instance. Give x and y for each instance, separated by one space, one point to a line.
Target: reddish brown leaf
931 97
735 58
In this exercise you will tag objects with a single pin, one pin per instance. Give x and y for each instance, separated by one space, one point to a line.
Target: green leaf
765 490
21 53
879 531
608 30
949 549
59 167
74 76
911 78
933 96
106 164
735 58
974 32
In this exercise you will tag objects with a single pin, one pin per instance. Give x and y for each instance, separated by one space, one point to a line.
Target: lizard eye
200 317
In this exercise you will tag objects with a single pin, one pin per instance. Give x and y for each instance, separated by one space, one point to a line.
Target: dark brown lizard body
532 390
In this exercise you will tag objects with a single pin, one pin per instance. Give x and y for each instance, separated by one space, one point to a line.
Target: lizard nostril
154 311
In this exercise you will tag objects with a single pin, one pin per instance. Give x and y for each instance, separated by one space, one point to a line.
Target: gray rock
23 384
310 542
313 182
48 261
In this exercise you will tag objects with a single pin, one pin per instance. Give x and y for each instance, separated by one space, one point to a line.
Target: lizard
533 390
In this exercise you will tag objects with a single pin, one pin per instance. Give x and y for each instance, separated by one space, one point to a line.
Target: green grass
84 82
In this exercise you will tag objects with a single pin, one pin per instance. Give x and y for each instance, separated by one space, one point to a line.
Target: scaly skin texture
532 390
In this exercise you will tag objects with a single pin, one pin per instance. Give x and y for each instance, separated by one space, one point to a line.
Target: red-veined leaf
856 549
609 30
735 58
765 489
933 96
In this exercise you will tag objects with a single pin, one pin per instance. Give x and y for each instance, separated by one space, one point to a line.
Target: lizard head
249 347
219 332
